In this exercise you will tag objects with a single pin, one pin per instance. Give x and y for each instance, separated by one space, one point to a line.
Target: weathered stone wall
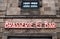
10 7
48 8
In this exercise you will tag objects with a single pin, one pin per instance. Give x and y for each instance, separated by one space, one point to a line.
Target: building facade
26 12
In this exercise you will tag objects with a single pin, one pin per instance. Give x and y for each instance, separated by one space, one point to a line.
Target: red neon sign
30 25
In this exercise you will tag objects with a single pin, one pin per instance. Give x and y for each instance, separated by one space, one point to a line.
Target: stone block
3 5
56 20
45 4
2 13
0 37
57 24
2 24
58 0
13 11
15 3
56 4
18 20
48 20
42 11
47 8
12 3
1 20
49 13
1 30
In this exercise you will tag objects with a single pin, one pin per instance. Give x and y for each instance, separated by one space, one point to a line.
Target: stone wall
10 7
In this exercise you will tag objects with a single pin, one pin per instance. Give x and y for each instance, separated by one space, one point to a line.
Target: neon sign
39 24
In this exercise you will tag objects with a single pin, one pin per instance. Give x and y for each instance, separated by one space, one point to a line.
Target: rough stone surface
57 20
2 24
48 7
10 7
1 20
1 30
3 5
13 11
2 13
